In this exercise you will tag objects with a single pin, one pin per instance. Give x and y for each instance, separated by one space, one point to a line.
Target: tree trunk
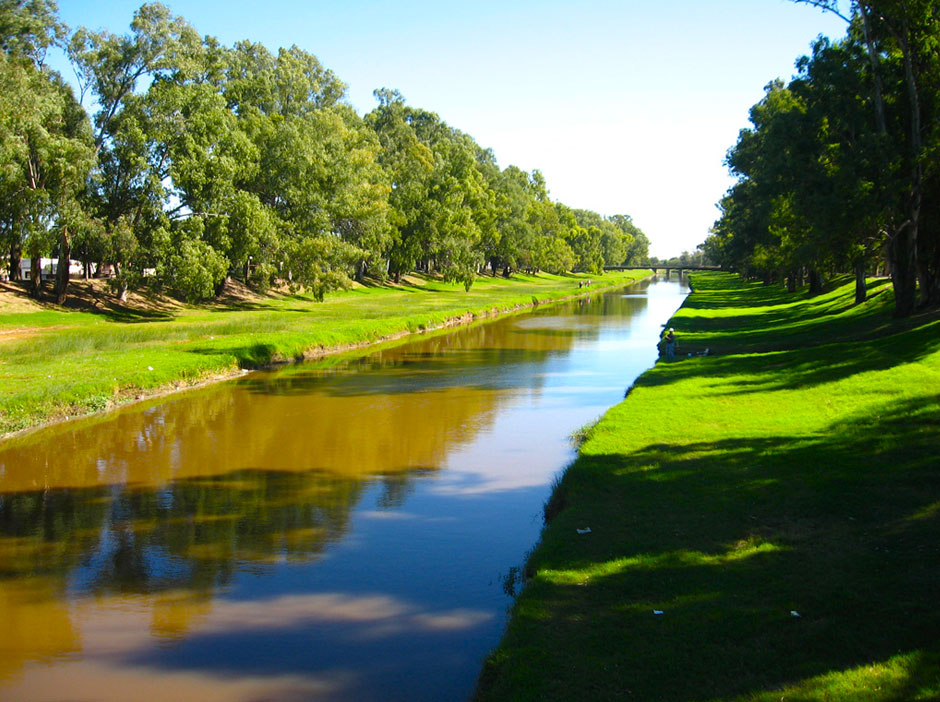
928 269
35 275
122 283
16 255
903 273
861 292
791 282
62 272
906 240
875 73
815 282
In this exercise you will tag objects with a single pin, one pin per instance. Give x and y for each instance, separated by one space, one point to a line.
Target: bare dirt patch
14 300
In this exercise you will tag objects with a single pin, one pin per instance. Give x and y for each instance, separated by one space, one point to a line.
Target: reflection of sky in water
200 556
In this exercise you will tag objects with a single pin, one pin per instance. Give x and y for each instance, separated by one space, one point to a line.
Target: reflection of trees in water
47 532
136 445
397 486
176 544
498 356
190 534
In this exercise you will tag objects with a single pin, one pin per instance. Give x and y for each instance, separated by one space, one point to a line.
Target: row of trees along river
202 161
840 168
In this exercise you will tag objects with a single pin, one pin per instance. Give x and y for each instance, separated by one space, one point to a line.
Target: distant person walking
671 345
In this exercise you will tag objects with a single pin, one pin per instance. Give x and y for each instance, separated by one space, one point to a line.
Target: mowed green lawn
765 521
58 363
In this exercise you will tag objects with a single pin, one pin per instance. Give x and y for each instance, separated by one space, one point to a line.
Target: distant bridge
662 267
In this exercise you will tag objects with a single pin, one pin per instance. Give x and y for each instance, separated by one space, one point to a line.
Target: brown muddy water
346 530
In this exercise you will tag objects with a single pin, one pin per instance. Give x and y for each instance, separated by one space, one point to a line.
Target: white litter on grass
585 530
657 611
794 613
149 367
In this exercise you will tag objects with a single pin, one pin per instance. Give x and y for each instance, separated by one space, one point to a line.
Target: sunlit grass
903 678
776 501
55 364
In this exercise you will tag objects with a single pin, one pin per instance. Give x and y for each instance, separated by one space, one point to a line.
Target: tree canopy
838 171
203 161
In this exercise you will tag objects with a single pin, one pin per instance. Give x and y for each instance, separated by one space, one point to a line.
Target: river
351 529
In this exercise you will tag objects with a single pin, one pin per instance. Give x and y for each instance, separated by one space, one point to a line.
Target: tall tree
45 149
900 37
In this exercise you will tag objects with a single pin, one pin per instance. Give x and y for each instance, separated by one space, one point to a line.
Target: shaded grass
796 473
62 363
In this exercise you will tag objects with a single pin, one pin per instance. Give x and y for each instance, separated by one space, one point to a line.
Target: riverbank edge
127 394
912 671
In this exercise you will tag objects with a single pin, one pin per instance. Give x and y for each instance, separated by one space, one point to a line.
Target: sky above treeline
627 107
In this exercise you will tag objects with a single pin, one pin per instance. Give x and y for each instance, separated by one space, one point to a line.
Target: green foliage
836 171
321 264
29 27
46 155
194 270
203 153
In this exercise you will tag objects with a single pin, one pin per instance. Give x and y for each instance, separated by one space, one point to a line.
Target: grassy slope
798 470
56 363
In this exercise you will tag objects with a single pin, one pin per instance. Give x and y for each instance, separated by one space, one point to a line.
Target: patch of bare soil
236 294
14 300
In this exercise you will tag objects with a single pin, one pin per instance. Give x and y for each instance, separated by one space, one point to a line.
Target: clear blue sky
627 107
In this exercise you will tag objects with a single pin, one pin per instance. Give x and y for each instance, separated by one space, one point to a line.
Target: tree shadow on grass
730 539
817 321
115 311
909 342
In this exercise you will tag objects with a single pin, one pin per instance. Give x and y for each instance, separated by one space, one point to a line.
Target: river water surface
347 530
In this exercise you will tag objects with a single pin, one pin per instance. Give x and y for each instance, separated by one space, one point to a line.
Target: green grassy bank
778 503
57 363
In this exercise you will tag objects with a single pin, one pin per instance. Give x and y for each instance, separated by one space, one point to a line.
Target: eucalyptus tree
224 160
615 236
637 243
318 184
803 198
584 241
845 188
775 156
460 213
129 187
838 162
513 198
29 28
444 208
409 164
900 38
551 251
45 144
